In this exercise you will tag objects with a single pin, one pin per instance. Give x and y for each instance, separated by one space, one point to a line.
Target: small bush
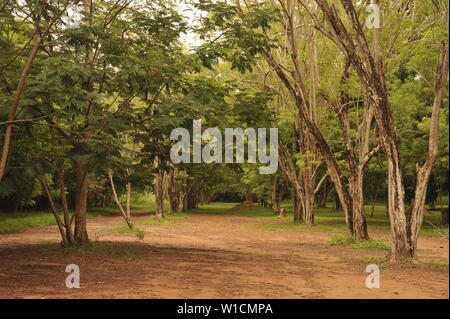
140 233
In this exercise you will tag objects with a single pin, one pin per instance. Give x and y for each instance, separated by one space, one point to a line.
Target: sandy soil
208 256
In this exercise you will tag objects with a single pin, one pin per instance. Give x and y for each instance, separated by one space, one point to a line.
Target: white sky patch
192 16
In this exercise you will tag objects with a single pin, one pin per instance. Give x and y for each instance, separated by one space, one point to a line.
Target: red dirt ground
206 256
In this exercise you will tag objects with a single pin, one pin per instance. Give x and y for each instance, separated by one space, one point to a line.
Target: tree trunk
444 216
186 198
159 199
116 199
173 191
12 113
62 191
337 202
128 197
128 200
374 201
65 241
424 172
308 204
322 202
359 219
81 235
158 188
297 207
370 69
275 196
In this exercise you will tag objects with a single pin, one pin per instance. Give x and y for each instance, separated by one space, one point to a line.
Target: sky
192 15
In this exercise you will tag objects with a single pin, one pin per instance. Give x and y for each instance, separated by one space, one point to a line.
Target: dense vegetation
86 110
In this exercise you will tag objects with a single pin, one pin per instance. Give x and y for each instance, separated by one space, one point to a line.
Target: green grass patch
10 222
140 234
290 226
176 215
437 265
166 221
359 244
122 229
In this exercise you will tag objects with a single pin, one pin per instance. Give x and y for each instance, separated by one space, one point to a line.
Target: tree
247 31
372 73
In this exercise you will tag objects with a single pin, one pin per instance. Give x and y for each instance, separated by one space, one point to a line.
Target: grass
167 221
382 262
334 221
325 218
377 260
437 265
96 248
354 243
290 226
122 229
10 222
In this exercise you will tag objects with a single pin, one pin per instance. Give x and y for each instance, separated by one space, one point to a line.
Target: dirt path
205 256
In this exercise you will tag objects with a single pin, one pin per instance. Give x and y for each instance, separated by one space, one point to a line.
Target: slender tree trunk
359 219
81 235
374 201
158 189
337 202
275 196
125 214
308 203
322 202
65 241
12 113
64 203
297 206
128 200
173 191
186 199
424 172
62 191
128 197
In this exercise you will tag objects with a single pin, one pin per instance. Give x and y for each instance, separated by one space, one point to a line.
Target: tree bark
275 196
371 73
128 200
62 190
65 241
81 236
158 188
125 214
424 172
297 207
12 113
359 219
173 191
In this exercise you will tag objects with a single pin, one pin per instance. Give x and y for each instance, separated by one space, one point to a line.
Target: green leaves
234 36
